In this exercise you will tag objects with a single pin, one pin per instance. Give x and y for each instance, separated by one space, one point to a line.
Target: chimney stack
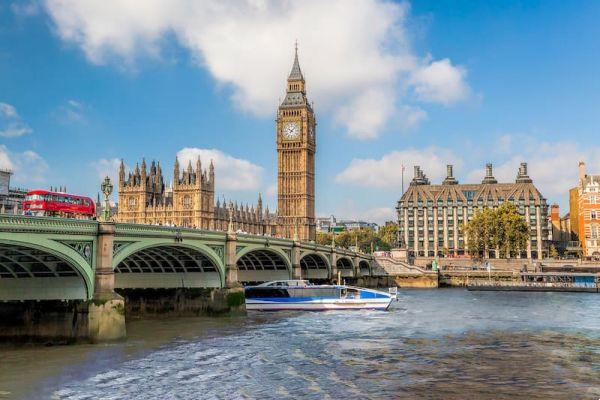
489 175
419 178
555 213
582 174
522 176
450 180
523 169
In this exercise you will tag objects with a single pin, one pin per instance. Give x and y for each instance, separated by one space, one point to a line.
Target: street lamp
107 189
230 226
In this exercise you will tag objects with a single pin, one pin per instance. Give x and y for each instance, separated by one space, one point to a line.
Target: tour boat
301 295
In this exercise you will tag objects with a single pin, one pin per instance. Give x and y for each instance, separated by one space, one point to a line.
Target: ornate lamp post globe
107 189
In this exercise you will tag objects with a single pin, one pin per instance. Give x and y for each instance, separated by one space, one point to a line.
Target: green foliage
323 238
502 228
363 238
553 252
388 234
235 299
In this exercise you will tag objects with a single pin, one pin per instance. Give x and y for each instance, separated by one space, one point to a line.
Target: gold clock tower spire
296 143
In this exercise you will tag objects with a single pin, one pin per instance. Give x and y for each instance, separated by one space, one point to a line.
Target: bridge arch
315 266
364 267
345 267
46 270
263 265
168 265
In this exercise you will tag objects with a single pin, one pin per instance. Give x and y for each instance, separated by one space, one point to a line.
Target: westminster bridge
52 259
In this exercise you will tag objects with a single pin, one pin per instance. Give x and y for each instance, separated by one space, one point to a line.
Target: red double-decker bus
56 204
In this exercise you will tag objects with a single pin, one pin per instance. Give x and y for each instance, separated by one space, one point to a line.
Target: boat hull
317 305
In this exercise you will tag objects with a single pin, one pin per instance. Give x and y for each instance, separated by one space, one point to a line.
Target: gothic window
187 201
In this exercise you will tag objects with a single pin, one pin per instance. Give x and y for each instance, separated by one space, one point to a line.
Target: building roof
294 99
523 189
296 72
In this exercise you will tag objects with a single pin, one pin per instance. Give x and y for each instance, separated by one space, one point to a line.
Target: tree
553 252
479 232
323 238
511 230
388 236
384 240
502 228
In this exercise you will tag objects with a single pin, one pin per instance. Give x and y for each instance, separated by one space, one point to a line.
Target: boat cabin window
350 293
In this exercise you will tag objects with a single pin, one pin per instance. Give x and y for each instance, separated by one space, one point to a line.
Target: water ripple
449 344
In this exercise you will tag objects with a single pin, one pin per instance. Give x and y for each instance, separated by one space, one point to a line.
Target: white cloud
366 113
5 161
8 111
11 124
386 172
230 173
14 130
272 190
354 56
349 209
107 167
553 166
504 143
379 215
410 117
440 82
72 112
28 167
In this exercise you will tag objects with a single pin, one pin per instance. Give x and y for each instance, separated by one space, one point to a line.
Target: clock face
291 130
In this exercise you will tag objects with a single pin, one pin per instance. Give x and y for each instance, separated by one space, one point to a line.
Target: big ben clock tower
296 144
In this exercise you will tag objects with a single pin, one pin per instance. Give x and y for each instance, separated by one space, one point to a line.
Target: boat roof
290 282
300 283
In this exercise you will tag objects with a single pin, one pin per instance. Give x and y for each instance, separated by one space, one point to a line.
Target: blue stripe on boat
291 299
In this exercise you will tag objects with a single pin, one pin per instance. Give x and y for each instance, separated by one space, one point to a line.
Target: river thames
445 343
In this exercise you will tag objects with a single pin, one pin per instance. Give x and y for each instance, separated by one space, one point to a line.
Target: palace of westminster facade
190 201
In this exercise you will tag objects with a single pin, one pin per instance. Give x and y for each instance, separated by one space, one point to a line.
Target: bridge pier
296 268
231 268
356 263
334 268
106 310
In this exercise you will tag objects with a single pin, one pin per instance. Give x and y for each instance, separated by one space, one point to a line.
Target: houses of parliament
144 197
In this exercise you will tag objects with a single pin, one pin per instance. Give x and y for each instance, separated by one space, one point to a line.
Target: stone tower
296 142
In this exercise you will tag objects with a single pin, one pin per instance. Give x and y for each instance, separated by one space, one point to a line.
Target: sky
429 83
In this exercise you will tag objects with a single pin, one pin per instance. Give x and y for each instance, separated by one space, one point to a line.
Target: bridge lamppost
107 189
230 228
